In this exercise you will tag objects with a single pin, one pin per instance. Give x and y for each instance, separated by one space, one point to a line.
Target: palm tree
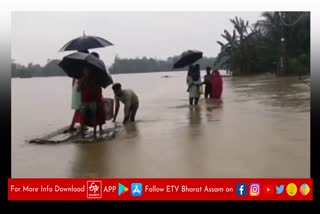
241 28
237 54
279 42
228 56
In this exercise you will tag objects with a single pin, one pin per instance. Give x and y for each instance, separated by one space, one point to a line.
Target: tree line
120 65
34 70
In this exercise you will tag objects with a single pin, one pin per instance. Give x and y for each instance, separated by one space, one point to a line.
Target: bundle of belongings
108 108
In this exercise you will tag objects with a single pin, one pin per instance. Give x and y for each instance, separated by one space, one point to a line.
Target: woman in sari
217 84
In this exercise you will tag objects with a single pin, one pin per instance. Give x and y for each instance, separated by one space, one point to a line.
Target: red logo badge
94 189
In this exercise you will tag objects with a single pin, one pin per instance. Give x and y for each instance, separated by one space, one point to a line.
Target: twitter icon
279 189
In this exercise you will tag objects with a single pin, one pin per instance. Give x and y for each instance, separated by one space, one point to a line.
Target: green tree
278 43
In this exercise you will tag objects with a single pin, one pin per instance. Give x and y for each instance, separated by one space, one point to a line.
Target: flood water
260 128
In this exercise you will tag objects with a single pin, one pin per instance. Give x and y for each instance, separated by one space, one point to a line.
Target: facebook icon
241 189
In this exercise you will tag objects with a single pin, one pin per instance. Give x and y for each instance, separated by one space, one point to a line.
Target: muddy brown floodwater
260 128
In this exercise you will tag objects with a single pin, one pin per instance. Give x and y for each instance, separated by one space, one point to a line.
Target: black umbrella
187 58
74 63
85 43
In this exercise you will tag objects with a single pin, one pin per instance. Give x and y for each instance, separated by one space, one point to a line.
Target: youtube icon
268 189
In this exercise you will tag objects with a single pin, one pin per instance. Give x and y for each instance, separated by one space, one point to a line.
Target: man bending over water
130 101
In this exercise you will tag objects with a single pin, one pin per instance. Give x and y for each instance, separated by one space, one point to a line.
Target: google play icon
122 189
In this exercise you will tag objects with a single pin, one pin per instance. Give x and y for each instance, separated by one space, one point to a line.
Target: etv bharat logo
94 189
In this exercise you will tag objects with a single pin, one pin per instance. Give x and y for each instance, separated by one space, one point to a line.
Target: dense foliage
279 43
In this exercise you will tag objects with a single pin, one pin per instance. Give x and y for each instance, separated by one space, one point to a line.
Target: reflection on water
91 160
214 109
131 130
260 128
194 116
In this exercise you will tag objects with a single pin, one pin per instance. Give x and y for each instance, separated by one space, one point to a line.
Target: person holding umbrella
100 113
88 90
194 82
187 58
75 102
92 75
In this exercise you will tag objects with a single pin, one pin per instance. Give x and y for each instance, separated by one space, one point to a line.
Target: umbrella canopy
187 58
74 63
85 43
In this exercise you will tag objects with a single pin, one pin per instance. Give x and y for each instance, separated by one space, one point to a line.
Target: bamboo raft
63 136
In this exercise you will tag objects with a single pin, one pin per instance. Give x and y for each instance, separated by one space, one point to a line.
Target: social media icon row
255 189
292 189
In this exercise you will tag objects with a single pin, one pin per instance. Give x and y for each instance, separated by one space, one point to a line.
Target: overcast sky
37 36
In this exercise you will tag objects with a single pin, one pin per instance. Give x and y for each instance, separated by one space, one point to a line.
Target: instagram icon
254 189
